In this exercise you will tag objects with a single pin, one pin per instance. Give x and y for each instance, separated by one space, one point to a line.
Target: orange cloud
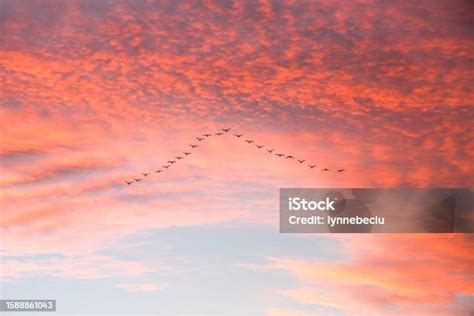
399 274
96 94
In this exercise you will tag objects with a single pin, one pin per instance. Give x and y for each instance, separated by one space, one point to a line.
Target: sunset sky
93 93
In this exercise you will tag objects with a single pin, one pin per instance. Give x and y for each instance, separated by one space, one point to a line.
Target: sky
93 93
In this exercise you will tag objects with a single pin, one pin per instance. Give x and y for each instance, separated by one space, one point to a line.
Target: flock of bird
223 131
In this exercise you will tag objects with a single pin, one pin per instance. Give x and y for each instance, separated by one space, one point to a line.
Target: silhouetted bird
171 161
219 134
238 135
179 158
290 157
166 167
279 155
193 146
249 141
158 171
325 169
186 153
128 182
138 180
206 135
145 174
301 161
199 138
340 170
226 129
259 147
270 150
311 166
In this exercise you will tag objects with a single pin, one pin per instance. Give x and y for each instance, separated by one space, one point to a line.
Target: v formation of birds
170 162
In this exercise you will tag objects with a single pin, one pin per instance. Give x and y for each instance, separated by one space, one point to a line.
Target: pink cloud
419 274
382 91
141 287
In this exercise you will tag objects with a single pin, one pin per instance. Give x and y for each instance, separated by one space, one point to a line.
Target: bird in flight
206 135
199 138
128 182
226 130
171 161
311 166
186 153
238 135
145 174
340 170
179 158
259 146
219 134
301 161
166 167
193 146
138 180
325 169
270 150
249 141
158 171
279 155
290 157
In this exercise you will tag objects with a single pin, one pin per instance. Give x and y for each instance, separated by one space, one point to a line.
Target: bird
225 130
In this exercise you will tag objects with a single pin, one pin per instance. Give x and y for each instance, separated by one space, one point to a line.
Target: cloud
94 94
70 267
286 312
141 287
19 156
421 274
58 172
